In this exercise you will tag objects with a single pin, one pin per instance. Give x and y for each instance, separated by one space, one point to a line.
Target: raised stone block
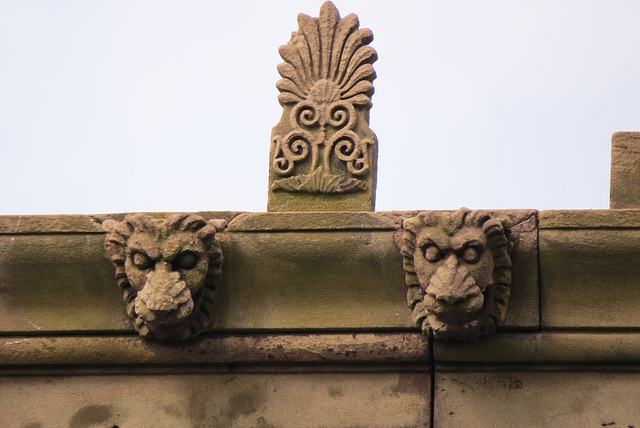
625 170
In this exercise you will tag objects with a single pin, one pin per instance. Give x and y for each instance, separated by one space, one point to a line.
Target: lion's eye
187 260
471 255
432 253
141 260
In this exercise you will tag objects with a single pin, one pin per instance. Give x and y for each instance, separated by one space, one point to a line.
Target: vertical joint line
433 383
539 271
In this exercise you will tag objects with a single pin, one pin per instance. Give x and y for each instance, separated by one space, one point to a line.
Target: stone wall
312 329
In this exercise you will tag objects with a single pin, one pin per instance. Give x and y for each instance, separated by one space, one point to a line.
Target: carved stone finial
458 272
168 270
323 154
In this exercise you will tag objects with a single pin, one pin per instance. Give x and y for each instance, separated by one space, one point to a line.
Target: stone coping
360 220
589 219
552 348
329 348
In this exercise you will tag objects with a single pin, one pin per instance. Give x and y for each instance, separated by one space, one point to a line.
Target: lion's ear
219 224
109 225
114 242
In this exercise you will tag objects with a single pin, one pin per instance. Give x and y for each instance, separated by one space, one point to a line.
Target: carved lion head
458 270
168 270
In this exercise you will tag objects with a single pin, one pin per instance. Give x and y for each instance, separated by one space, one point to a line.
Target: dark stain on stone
33 425
247 401
335 392
413 383
244 403
174 411
92 415
198 396
262 423
416 385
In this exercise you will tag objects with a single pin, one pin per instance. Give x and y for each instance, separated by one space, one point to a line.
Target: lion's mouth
161 316
454 319
460 311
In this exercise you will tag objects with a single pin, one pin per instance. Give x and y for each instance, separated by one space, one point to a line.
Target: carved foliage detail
458 272
168 270
326 76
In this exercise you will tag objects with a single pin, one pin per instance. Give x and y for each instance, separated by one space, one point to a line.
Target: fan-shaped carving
327 60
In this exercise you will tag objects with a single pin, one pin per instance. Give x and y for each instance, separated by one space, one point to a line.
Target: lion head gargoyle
458 270
168 270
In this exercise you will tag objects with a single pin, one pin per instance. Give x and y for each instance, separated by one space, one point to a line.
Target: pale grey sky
118 106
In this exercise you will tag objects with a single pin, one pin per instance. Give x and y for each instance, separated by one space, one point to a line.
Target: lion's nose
162 266
161 289
448 283
452 283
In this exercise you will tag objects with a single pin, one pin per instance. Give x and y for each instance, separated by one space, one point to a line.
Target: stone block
340 400
590 277
312 279
554 347
299 221
58 282
505 399
625 170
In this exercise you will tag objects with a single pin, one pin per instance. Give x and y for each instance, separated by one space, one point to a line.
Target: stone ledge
76 223
544 348
290 221
589 219
359 348
239 221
